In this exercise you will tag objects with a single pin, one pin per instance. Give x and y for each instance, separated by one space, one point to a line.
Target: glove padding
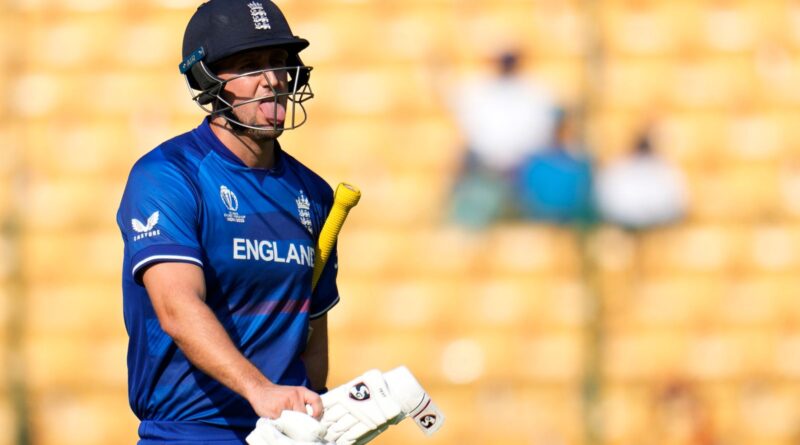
360 410
291 428
415 402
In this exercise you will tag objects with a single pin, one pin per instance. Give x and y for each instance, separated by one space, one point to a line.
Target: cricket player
219 226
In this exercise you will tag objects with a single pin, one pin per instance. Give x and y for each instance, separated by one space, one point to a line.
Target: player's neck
253 153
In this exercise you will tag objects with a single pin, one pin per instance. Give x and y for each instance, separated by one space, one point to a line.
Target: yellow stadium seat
525 249
69 354
490 27
35 94
790 133
772 248
691 138
354 353
769 412
353 247
636 83
507 304
471 355
416 33
729 26
626 413
785 288
88 417
153 42
786 362
706 248
349 23
356 301
8 422
70 41
556 29
677 302
411 304
9 254
63 146
437 152
564 76
635 355
568 303
553 412
8 300
725 355
790 15
549 356
613 249
59 257
93 307
775 69
755 137
115 93
710 82
71 203
640 28
446 252
747 193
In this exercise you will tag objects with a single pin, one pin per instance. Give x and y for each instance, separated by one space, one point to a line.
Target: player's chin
265 132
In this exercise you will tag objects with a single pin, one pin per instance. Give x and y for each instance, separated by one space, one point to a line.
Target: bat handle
345 198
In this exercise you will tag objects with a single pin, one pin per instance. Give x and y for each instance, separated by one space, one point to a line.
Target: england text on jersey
272 251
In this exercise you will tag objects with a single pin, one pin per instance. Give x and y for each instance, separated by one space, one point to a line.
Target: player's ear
203 79
303 75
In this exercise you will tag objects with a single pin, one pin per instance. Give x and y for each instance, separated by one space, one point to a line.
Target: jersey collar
208 137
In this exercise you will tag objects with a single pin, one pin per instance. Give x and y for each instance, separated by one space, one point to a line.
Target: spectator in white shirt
642 190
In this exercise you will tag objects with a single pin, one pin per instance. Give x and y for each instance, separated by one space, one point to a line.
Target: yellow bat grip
345 198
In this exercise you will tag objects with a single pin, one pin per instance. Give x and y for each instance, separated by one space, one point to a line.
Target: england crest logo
304 211
260 19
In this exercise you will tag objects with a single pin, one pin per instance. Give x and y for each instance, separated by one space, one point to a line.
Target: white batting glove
359 410
291 428
414 401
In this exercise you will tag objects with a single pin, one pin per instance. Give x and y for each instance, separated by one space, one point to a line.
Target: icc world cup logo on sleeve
231 203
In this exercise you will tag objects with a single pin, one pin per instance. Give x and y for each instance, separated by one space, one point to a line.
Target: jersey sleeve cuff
320 313
170 253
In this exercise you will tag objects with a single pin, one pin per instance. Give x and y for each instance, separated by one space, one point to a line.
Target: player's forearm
315 356
177 291
207 345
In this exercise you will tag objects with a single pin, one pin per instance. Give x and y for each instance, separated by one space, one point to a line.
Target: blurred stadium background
524 333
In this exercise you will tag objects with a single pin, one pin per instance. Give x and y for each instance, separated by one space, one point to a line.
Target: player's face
258 75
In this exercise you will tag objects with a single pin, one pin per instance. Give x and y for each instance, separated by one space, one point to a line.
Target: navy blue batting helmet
221 28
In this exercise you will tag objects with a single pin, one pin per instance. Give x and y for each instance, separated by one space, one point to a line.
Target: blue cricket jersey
252 231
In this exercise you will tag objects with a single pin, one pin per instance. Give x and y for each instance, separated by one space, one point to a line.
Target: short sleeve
158 217
326 294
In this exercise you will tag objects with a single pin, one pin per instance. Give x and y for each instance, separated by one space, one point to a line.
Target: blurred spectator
503 120
556 184
642 190
682 417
